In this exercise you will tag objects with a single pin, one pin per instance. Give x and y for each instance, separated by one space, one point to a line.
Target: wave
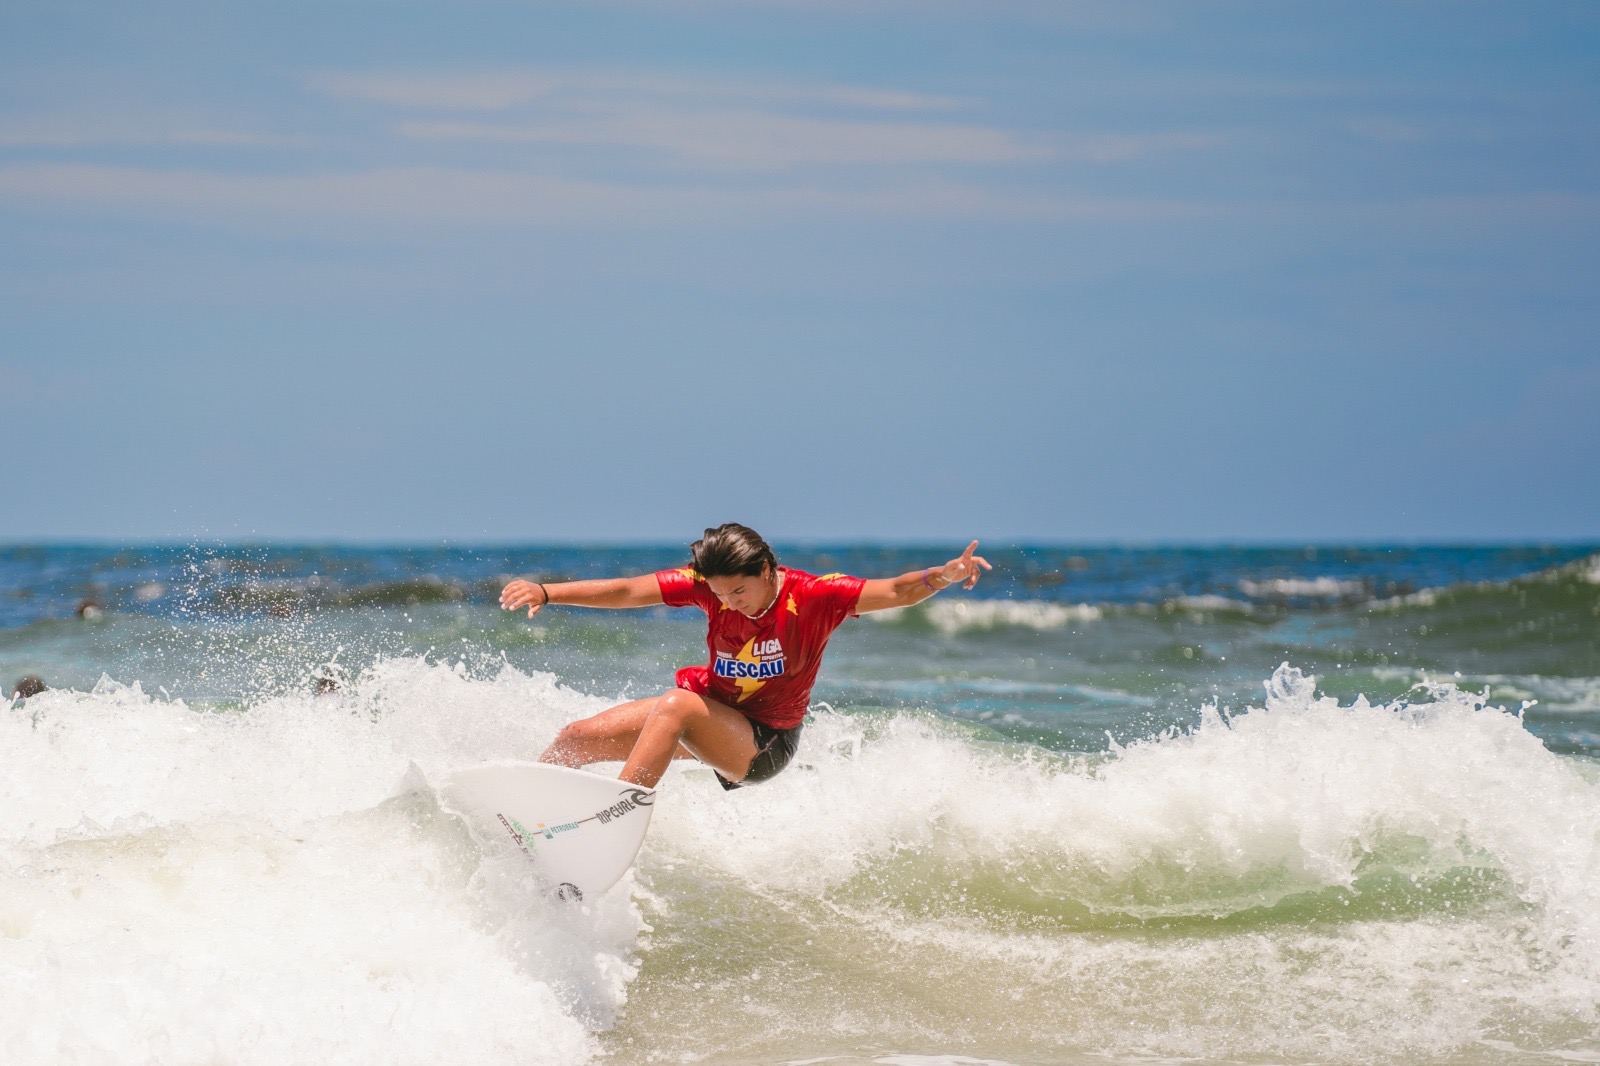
1568 695
174 883
293 595
1298 588
1405 878
952 616
179 879
1209 603
1543 623
1245 812
1575 575
1587 570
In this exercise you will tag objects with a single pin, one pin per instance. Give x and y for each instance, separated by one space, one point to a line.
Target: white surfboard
582 831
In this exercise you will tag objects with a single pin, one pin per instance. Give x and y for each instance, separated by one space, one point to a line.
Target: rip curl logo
626 804
757 663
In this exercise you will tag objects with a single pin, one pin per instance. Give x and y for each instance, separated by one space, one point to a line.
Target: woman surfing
741 713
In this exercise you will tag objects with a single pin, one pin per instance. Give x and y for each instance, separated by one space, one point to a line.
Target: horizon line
802 543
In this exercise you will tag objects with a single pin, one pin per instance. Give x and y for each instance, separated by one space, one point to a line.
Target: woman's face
749 595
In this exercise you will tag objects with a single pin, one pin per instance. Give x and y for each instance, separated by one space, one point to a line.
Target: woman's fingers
967 567
978 564
517 594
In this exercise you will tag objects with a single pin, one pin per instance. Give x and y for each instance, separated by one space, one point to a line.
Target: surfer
740 713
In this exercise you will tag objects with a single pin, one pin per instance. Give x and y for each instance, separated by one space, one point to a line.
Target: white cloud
506 89
757 140
426 195
600 146
1123 147
462 92
66 135
726 124
418 193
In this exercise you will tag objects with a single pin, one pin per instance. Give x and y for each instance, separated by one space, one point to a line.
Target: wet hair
731 550
27 686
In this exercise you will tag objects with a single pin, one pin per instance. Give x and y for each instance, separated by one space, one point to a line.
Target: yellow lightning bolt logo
793 608
691 573
748 686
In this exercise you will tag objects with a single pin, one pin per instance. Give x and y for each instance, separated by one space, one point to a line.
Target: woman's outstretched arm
641 591
918 585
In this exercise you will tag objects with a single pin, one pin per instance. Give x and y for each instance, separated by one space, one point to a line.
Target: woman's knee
679 707
584 729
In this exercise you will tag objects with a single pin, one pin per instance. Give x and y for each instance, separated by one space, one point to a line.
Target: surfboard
582 831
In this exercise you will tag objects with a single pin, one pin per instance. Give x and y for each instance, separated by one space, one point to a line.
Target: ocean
1212 804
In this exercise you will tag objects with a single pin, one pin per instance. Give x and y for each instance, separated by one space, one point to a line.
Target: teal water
1057 646
1203 804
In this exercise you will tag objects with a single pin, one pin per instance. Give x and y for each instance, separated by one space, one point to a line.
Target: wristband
930 584
546 593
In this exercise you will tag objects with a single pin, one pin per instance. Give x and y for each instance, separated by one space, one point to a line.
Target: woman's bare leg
648 734
715 733
605 737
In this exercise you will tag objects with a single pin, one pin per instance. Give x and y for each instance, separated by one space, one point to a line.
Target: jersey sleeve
684 587
837 595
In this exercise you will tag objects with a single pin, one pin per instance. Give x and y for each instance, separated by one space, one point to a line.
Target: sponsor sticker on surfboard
582 831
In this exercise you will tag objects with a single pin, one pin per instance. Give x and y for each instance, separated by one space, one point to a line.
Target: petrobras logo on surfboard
627 802
521 833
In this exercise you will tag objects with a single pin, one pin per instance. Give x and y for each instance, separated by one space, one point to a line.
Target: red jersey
765 666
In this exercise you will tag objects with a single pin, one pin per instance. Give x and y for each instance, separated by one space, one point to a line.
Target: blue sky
1024 271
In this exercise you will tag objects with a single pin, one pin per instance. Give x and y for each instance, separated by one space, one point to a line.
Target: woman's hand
520 593
964 569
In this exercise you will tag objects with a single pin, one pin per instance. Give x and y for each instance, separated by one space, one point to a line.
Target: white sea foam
258 887
1420 598
1567 695
1301 797
1589 569
1301 784
1300 587
194 887
951 616
1571 695
1211 603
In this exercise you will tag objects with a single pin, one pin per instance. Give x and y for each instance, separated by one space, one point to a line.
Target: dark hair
731 550
28 686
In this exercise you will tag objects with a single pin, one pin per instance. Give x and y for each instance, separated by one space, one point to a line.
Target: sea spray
1017 830
259 885
1405 878
1401 878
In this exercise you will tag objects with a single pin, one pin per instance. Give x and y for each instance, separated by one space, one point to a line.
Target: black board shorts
774 749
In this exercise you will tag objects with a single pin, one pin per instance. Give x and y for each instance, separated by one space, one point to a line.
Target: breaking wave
178 880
